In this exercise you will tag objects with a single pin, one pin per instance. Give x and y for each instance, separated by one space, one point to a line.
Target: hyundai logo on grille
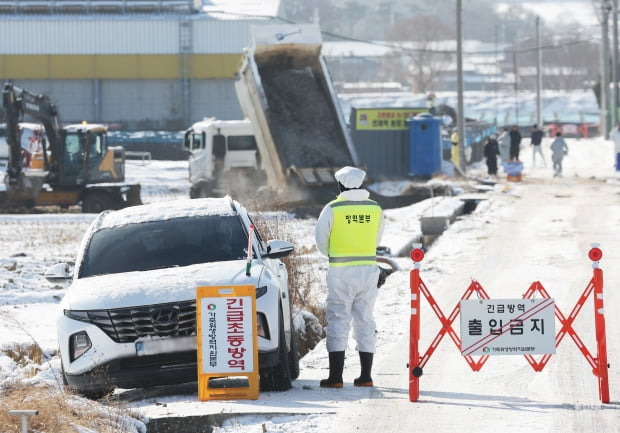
165 315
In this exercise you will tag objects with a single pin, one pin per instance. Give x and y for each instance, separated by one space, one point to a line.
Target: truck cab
223 158
87 158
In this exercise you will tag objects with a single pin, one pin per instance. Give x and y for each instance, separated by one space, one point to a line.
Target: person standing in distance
348 231
454 149
536 138
491 152
559 149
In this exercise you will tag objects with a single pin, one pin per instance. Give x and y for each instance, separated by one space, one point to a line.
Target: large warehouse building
137 64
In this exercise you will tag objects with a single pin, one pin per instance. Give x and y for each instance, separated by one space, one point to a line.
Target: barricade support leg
414 369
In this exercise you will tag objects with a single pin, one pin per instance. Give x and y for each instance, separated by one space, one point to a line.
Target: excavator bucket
27 187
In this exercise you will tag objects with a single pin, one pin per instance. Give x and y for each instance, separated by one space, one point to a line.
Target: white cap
350 177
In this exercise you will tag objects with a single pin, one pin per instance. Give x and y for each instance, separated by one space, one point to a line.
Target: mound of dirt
303 122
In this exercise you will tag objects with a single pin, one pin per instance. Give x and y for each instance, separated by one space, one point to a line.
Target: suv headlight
260 291
79 343
261 325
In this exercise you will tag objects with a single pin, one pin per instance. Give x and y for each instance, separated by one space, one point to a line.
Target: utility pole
460 123
539 76
515 72
614 62
605 8
496 80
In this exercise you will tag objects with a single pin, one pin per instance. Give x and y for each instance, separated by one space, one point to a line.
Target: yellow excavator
76 165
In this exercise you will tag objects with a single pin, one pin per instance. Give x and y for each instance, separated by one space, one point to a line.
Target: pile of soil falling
303 122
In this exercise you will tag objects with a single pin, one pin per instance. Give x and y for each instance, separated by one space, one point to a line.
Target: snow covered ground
536 230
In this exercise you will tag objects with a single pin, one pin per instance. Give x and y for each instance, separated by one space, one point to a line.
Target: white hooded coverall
352 290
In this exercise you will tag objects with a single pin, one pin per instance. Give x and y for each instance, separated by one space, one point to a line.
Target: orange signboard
227 343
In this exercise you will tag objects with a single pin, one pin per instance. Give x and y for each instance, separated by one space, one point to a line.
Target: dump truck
284 88
74 164
223 159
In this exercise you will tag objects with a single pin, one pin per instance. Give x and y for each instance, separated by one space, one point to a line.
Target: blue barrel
424 145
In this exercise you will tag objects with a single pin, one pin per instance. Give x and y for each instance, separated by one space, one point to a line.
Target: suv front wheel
278 377
293 355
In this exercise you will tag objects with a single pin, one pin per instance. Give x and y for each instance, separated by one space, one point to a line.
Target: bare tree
423 61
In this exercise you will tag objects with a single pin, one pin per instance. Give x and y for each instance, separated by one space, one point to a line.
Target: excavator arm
18 102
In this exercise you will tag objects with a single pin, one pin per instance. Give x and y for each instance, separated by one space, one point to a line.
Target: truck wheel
96 202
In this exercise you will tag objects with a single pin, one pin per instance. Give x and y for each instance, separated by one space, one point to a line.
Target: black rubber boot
366 362
336 365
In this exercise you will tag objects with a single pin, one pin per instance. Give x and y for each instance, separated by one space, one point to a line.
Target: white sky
554 12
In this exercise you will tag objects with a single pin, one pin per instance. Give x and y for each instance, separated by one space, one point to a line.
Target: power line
415 50
400 48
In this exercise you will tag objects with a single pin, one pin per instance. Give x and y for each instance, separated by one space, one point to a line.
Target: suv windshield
164 244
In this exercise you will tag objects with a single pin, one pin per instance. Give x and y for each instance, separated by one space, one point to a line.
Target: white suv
135 280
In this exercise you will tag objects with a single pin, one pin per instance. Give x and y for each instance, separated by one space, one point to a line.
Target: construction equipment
223 159
284 88
77 165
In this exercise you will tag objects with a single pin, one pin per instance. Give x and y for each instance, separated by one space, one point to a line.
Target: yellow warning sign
227 343
385 119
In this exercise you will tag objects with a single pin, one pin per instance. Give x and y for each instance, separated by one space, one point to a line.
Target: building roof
240 9
219 9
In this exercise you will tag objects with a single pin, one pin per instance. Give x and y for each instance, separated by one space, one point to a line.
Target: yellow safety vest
353 238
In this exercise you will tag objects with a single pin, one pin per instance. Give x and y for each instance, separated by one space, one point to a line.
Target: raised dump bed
284 88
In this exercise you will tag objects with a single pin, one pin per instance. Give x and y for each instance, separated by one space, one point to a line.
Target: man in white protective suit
348 231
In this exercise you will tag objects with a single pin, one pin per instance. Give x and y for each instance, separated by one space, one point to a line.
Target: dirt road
541 231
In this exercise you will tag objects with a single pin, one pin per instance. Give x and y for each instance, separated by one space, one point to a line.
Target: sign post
227 343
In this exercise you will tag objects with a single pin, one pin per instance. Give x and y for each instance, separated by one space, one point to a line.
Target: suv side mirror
277 248
58 273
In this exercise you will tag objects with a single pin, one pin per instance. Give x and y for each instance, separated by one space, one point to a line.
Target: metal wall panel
117 66
25 35
214 98
130 104
85 64
152 104
74 98
101 35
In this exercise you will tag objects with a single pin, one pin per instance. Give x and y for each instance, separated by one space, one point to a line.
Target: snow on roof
471 48
237 9
165 210
354 49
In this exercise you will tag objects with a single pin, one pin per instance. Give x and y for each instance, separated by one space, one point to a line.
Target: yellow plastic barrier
227 343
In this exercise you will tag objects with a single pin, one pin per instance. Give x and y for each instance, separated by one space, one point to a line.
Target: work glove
383 274
383 254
